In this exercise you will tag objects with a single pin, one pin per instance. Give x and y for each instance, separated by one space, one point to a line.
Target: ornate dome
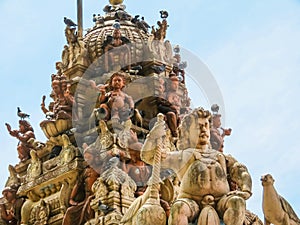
131 28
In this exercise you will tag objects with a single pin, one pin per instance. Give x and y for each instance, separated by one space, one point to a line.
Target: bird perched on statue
107 9
117 24
141 24
164 14
144 22
135 19
159 69
215 108
105 208
21 114
122 15
69 22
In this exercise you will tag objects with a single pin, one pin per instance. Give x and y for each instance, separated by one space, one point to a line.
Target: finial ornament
116 2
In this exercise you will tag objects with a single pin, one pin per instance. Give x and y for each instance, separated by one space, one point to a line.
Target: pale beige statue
205 193
276 209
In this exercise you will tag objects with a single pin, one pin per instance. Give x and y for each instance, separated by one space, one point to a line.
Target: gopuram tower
123 144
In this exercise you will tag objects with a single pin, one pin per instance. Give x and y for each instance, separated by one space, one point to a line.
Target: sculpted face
117 82
204 134
174 85
116 34
56 88
22 128
9 196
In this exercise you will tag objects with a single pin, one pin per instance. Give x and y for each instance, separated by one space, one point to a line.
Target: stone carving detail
35 167
115 189
40 214
13 179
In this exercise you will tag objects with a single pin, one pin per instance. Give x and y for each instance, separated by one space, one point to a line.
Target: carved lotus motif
53 128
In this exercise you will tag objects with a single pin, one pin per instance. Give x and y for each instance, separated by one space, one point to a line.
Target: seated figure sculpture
11 215
203 174
138 170
115 104
80 210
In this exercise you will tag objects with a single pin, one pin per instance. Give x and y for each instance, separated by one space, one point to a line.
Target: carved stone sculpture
24 133
117 52
198 160
11 212
276 209
216 136
115 104
115 189
62 108
80 211
35 167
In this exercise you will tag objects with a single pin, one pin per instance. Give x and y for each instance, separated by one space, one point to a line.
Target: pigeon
107 8
105 208
122 15
144 23
21 114
215 108
69 22
182 65
164 14
159 69
117 24
98 19
135 19
176 49
141 24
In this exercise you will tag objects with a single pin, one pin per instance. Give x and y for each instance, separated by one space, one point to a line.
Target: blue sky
250 47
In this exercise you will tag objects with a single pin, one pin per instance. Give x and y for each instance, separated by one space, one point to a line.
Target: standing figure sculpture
216 137
204 190
24 133
64 101
115 104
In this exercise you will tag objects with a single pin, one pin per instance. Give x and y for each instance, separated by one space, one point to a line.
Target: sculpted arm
240 175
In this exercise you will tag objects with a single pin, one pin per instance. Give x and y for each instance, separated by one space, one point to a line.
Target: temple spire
79 18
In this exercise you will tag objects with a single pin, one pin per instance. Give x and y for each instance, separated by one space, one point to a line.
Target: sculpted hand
8 127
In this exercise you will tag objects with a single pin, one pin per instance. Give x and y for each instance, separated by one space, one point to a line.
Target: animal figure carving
276 209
